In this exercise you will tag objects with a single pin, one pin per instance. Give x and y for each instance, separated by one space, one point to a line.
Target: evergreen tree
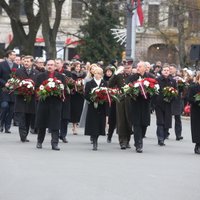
98 42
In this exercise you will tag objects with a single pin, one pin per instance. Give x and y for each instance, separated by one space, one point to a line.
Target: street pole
131 30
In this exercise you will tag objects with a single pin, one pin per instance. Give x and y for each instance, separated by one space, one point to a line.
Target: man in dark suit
48 113
140 109
25 110
6 99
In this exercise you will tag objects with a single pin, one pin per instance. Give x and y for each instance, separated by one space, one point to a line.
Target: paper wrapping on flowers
74 86
51 87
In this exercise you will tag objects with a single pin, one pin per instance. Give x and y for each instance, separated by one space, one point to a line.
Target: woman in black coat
195 114
96 117
77 99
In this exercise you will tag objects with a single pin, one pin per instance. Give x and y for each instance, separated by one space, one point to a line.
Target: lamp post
131 29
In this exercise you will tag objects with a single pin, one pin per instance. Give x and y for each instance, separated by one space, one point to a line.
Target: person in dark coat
111 111
48 113
177 105
195 113
65 116
24 110
140 109
6 99
124 128
77 99
163 109
96 117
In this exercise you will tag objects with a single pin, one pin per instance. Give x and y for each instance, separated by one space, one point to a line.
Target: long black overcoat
96 117
195 113
48 112
164 109
5 73
140 108
21 105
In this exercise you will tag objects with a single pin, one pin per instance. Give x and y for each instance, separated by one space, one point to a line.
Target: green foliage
98 42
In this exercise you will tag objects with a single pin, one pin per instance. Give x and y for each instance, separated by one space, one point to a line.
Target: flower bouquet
70 83
197 98
132 90
182 84
169 93
79 87
100 95
50 87
151 87
26 88
12 85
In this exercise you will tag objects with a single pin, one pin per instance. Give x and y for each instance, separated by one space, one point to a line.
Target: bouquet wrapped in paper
169 93
50 87
26 88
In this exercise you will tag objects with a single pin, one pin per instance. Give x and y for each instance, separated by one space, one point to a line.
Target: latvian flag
140 17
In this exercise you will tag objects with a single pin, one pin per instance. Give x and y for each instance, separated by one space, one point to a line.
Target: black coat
21 105
96 117
77 100
164 109
5 73
195 113
48 112
140 108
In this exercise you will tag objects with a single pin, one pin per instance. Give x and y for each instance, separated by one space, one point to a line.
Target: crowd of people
77 81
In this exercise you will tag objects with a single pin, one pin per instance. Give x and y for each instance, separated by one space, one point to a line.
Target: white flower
51 84
50 79
146 83
28 86
41 87
58 81
61 86
136 85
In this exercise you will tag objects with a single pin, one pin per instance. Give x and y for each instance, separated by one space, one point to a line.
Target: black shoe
197 149
64 140
108 140
7 131
179 138
139 150
161 143
39 146
1 128
24 140
55 147
94 145
123 146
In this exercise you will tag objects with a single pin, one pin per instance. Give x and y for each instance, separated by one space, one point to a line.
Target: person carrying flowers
50 87
163 103
25 97
145 86
96 113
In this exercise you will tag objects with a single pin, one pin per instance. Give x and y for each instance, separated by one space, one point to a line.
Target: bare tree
24 30
50 32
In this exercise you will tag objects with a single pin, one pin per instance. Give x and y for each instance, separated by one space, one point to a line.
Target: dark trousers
161 132
6 115
139 132
112 120
63 128
178 125
24 120
54 136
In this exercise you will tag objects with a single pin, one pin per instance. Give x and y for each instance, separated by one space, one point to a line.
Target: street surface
78 173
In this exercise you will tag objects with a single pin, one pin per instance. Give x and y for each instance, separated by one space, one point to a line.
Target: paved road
78 173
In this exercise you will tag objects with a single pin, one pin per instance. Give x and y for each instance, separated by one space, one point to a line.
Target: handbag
187 108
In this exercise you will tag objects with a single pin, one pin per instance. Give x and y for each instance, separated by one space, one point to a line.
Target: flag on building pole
137 20
139 13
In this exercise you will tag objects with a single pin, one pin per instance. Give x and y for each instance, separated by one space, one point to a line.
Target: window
153 16
194 20
173 14
76 9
